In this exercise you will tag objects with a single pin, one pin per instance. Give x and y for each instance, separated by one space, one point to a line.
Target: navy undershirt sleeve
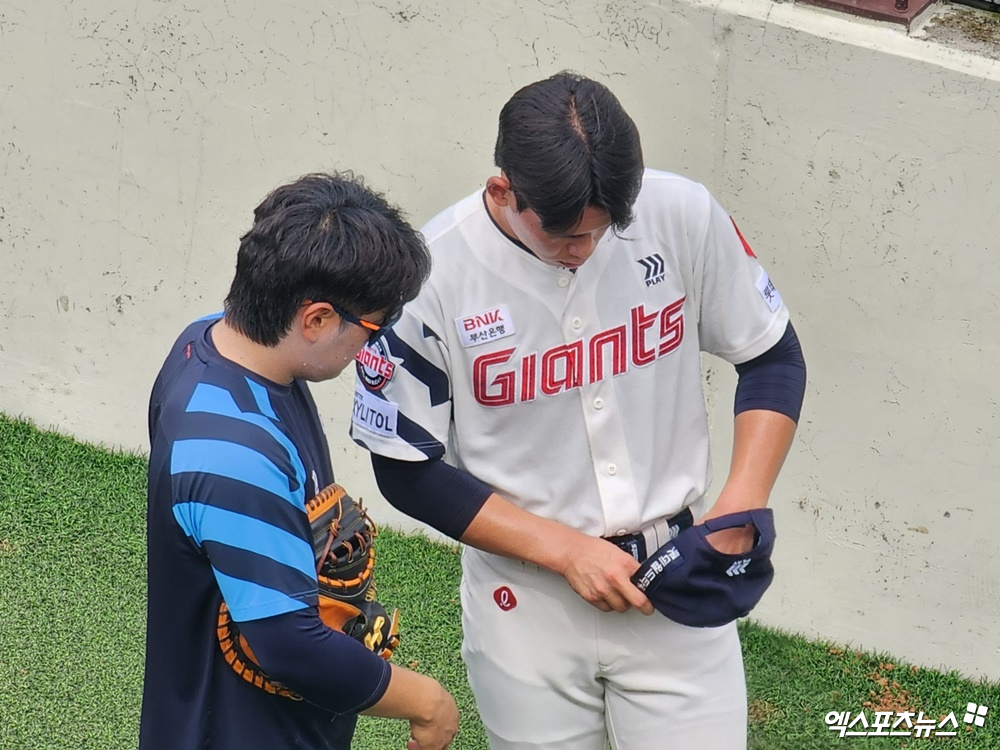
774 381
432 491
298 650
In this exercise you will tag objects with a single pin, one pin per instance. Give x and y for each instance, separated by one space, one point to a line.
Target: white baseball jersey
576 395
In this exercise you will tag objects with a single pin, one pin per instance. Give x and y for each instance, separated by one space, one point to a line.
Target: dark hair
565 144
324 237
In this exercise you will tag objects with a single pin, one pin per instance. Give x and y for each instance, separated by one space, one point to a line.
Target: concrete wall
136 138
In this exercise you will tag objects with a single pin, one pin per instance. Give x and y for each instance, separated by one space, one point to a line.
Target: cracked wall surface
136 138
872 200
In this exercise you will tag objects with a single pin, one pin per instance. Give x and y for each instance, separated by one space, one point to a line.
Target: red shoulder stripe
746 246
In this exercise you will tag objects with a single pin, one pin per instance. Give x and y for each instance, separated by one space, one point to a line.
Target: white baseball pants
551 672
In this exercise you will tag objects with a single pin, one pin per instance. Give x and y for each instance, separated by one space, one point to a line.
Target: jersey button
621 532
563 281
612 469
598 403
577 323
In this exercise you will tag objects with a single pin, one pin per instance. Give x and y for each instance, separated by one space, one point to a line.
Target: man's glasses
375 331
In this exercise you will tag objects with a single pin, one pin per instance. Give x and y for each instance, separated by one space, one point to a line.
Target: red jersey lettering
616 338
671 328
561 368
500 390
640 324
528 378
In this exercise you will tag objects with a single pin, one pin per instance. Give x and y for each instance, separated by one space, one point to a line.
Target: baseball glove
342 537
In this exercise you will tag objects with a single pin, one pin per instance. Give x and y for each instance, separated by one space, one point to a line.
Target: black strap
635 544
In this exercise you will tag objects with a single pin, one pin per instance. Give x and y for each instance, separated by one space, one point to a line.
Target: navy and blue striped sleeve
239 496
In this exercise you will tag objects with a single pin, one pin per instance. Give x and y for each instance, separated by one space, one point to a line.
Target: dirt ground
964 28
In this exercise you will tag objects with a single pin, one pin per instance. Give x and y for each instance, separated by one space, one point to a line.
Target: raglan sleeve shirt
239 491
417 371
740 312
403 414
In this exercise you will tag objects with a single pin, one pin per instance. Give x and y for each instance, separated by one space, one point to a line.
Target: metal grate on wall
895 11
993 5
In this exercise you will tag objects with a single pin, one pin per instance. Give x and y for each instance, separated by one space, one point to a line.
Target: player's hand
732 541
421 700
729 541
437 729
599 572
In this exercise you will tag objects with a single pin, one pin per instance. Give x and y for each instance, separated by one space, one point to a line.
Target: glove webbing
343 535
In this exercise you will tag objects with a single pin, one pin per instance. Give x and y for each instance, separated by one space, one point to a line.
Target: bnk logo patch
654 267
485 326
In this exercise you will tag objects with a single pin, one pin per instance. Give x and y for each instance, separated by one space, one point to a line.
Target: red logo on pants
504 598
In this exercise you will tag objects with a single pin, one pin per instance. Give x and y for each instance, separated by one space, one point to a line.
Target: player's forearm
505 529
458 504
761 441
411 695
768 402
461 506
299 651
422 701
598 571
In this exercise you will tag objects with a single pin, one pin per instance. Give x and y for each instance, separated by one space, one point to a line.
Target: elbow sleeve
774 381
432 491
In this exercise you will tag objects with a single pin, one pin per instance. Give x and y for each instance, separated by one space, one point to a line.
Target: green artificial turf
72 612
793 684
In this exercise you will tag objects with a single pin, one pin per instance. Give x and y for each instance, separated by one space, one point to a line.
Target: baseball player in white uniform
542 397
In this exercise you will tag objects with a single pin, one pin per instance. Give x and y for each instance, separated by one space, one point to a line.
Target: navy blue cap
692 583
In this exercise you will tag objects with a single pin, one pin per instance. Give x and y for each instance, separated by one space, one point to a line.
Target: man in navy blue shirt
237 448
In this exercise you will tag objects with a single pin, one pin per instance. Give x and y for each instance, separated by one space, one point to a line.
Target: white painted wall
136 138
